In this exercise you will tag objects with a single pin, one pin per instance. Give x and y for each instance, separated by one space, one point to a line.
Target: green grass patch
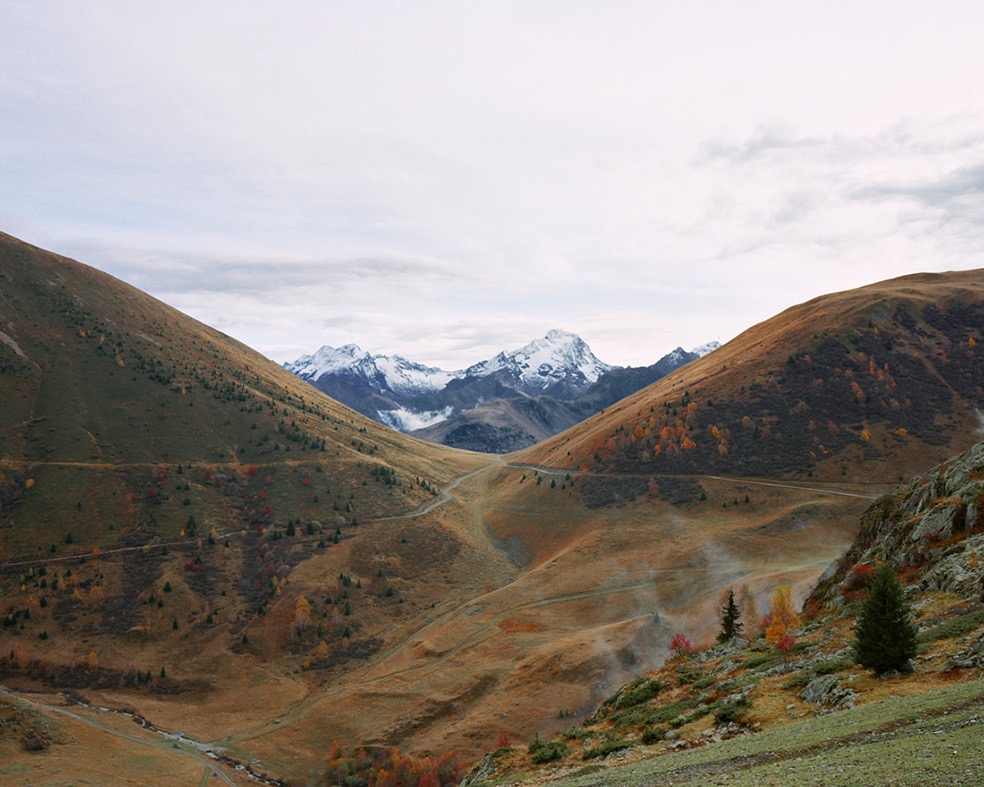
664 714
687 676
798 681
684 720
654 734
642 693
634 717
638 691
546 751
954 627
605 749
762 660
830 666
874 763
825 667
732 710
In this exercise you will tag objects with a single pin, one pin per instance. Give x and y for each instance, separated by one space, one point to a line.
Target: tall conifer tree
731 626
885 636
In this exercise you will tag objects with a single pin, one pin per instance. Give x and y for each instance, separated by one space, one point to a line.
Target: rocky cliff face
931 530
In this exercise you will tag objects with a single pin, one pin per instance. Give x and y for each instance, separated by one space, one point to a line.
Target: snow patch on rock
704 349
404 420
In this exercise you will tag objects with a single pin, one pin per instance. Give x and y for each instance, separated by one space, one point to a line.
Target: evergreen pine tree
731 627
885 636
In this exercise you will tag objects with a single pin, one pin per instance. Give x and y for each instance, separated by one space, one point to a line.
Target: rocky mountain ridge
560 357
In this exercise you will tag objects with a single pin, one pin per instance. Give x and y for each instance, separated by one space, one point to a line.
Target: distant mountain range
502 404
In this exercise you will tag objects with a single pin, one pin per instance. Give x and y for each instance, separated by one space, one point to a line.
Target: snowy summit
560 357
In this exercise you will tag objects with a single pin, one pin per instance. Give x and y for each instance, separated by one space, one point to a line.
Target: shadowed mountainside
501 405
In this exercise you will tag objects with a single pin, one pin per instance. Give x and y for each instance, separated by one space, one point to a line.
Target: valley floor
548 606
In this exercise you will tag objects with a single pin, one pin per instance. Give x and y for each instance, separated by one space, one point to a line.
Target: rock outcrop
931 529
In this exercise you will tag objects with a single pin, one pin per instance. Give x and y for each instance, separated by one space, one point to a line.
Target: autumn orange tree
302 617
782 617
389 768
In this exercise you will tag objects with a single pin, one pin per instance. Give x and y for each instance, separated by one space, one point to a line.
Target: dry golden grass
110 750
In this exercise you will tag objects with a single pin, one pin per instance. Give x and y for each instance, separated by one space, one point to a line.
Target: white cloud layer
448 180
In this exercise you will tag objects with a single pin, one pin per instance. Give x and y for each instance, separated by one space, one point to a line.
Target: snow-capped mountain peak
327 360
410 396
560 356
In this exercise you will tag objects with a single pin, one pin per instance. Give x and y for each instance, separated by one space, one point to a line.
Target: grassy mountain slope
870 384
97 370
113 394
168 497
749 713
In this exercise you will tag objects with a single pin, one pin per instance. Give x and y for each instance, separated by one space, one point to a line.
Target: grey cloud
923 139
794 207
763 142
178 273
949 207
827 196
946 191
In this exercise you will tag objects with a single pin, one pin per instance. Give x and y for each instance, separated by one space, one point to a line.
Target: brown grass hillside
871 384
167 495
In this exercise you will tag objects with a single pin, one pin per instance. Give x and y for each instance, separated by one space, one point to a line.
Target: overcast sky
445 180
